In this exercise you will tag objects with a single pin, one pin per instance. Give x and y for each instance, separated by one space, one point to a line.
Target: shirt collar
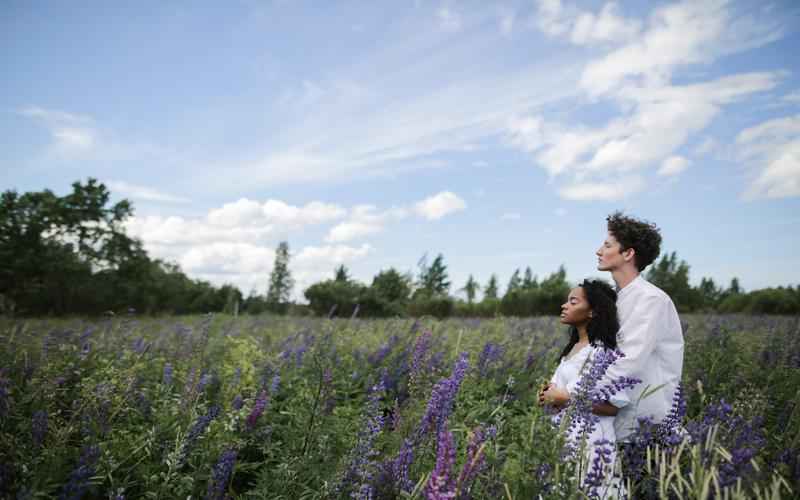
630 286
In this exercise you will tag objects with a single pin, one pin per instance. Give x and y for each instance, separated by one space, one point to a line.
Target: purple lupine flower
670 431
200 425
205 379
419 357
475 461
39 427
377 357
327 392
587 392
221 475
237 402
442 399
441 484
78 483
275 384
358 477
491 354
166 379
594 481
258 408
143 404
400 465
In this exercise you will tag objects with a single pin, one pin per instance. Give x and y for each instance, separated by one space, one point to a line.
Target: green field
282 407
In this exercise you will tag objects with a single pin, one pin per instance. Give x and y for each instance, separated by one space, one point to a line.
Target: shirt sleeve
637 343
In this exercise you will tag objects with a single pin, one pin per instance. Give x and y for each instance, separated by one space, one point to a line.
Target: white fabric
651 338
567 375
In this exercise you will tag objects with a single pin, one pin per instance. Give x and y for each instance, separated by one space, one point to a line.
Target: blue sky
369 133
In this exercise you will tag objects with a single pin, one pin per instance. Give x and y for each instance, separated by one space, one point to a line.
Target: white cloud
143 192
510 216
678 34
584 27
773 149
708 145
448 19
607 26
249 212
439 205
602 191
364 220
673 166
71 133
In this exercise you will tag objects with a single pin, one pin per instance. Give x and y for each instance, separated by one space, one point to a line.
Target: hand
544 388
553 395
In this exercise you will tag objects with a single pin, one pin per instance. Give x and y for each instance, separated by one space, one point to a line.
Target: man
650 333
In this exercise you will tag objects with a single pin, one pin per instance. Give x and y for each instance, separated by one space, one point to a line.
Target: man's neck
623 277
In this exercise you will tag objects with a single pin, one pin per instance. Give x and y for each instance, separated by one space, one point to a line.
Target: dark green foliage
280 281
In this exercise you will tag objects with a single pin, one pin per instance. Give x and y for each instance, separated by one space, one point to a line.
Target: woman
591 313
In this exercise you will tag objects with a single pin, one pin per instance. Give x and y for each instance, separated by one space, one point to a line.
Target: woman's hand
553 395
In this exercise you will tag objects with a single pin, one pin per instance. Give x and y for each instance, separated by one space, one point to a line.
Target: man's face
610 256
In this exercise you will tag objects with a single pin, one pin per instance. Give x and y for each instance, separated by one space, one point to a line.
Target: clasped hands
551 394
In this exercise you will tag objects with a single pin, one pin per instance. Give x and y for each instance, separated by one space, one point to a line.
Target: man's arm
639 337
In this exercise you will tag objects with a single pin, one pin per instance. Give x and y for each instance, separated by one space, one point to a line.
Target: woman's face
576 311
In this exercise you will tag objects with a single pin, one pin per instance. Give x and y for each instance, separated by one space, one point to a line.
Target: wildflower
258 408
475 459
166 378
595 479
221 475
238 402
442 398
491 354
441 485
205 379
359 475
418 357
78 482
200 425
39 427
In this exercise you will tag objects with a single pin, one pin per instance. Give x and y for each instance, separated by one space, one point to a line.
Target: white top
567 375
651 338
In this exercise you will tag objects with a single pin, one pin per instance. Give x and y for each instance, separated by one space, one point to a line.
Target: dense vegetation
69 254
286 408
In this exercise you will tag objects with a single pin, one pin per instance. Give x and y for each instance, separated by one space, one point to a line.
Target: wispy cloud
773 149
673 165
71 133
143 192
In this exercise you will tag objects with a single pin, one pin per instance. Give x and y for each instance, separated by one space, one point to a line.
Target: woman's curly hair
644 237
603 326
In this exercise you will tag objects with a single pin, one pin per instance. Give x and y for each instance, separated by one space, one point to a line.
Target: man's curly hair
644 237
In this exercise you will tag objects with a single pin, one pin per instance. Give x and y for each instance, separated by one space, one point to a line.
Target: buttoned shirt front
651 338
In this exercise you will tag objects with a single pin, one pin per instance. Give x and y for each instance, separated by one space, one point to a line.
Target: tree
490 292
529 282
433 280
391 286
50 246
471 288
514 283
672 276
709 294
341 274
280 280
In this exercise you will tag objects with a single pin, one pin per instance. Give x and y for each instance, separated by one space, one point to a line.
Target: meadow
308 408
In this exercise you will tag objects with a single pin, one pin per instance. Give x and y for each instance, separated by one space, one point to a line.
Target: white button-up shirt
651 338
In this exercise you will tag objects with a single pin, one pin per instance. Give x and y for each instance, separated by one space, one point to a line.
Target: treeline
70 255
